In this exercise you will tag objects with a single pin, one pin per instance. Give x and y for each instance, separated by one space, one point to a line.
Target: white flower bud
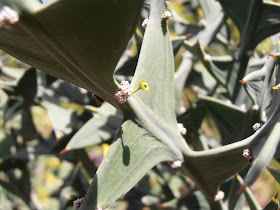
176 164
256 126
247 153
203 23
255 107
124 92
182 129
145 23
8 17
220 196
207 57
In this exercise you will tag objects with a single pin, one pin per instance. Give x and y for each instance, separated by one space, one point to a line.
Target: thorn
241 190
237 176
188 36
197 41
58 137
273 56
275 198
63 151
242 81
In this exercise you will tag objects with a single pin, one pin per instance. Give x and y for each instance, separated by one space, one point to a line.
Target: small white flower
257 126
183 109
83 91
196 88
228 102
182 129
145 23
166 15
243 107
207 57
247 153
77 203
255 107
124 92
220 196
8 17
176 164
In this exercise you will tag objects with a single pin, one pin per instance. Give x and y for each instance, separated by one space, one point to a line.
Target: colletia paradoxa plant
123 53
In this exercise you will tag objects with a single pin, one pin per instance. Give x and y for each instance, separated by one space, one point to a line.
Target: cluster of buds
166 15
255 107
219 196
176 164
8 17
145 23
247 153
124 92
77 203
182 129
257 126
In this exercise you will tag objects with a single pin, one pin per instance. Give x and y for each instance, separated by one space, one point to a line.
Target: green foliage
220 91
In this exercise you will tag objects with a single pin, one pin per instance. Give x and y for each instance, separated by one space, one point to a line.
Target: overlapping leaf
67 40
152 136
102 127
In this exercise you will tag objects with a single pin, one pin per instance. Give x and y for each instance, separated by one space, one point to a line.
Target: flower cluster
247 153
124 92
8 17
77 203
256 126
166 15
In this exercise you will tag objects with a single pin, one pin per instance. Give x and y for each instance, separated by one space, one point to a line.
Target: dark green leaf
71 48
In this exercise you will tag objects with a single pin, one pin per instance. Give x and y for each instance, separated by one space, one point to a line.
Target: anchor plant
83 42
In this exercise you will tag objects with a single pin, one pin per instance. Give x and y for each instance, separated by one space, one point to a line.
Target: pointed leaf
233 122
156 66
275 174
269 21
214 18
180 78
100 128
265 155
130 156
273 204
63 120
70 48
